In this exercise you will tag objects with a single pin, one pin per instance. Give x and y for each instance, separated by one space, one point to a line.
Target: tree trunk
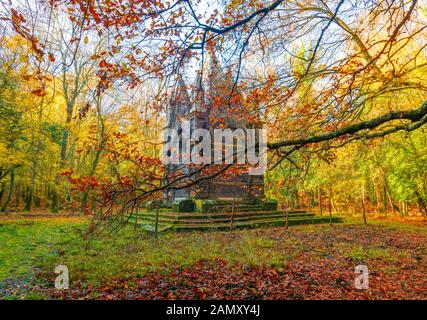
421 203
2 190
29 198
404 210
100 148
17 195
384 199
232 214
63 153
91 173
377 192
319 196
363 205
334 206
11 186
392 205
286 220
330 207
156 223
55 201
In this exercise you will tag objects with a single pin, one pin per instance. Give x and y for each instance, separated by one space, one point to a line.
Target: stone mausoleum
200 105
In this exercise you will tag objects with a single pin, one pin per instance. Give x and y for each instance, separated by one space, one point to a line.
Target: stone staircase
225 216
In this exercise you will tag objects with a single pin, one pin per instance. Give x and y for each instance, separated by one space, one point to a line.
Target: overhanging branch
418 117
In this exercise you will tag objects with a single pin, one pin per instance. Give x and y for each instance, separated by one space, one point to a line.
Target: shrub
270 205
186 205
205 205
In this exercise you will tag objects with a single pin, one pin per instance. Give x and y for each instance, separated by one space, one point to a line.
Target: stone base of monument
222 215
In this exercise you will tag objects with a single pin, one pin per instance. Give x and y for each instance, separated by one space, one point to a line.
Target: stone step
229 208
169 220
201 219
258 223
252 224
200 222
224 220
198 215
160 228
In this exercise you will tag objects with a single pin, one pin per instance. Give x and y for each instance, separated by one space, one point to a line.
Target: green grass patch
126 254
24 243
389 224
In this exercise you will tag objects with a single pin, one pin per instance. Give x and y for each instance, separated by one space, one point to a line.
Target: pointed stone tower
178 111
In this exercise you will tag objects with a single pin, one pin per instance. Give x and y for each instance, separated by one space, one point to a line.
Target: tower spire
180 102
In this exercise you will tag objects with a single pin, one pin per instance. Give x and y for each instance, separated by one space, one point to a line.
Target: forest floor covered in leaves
303 262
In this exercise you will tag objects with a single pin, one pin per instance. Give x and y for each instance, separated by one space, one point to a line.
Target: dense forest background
61 138
44 134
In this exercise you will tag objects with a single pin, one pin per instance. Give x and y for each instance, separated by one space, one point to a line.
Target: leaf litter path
320 265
